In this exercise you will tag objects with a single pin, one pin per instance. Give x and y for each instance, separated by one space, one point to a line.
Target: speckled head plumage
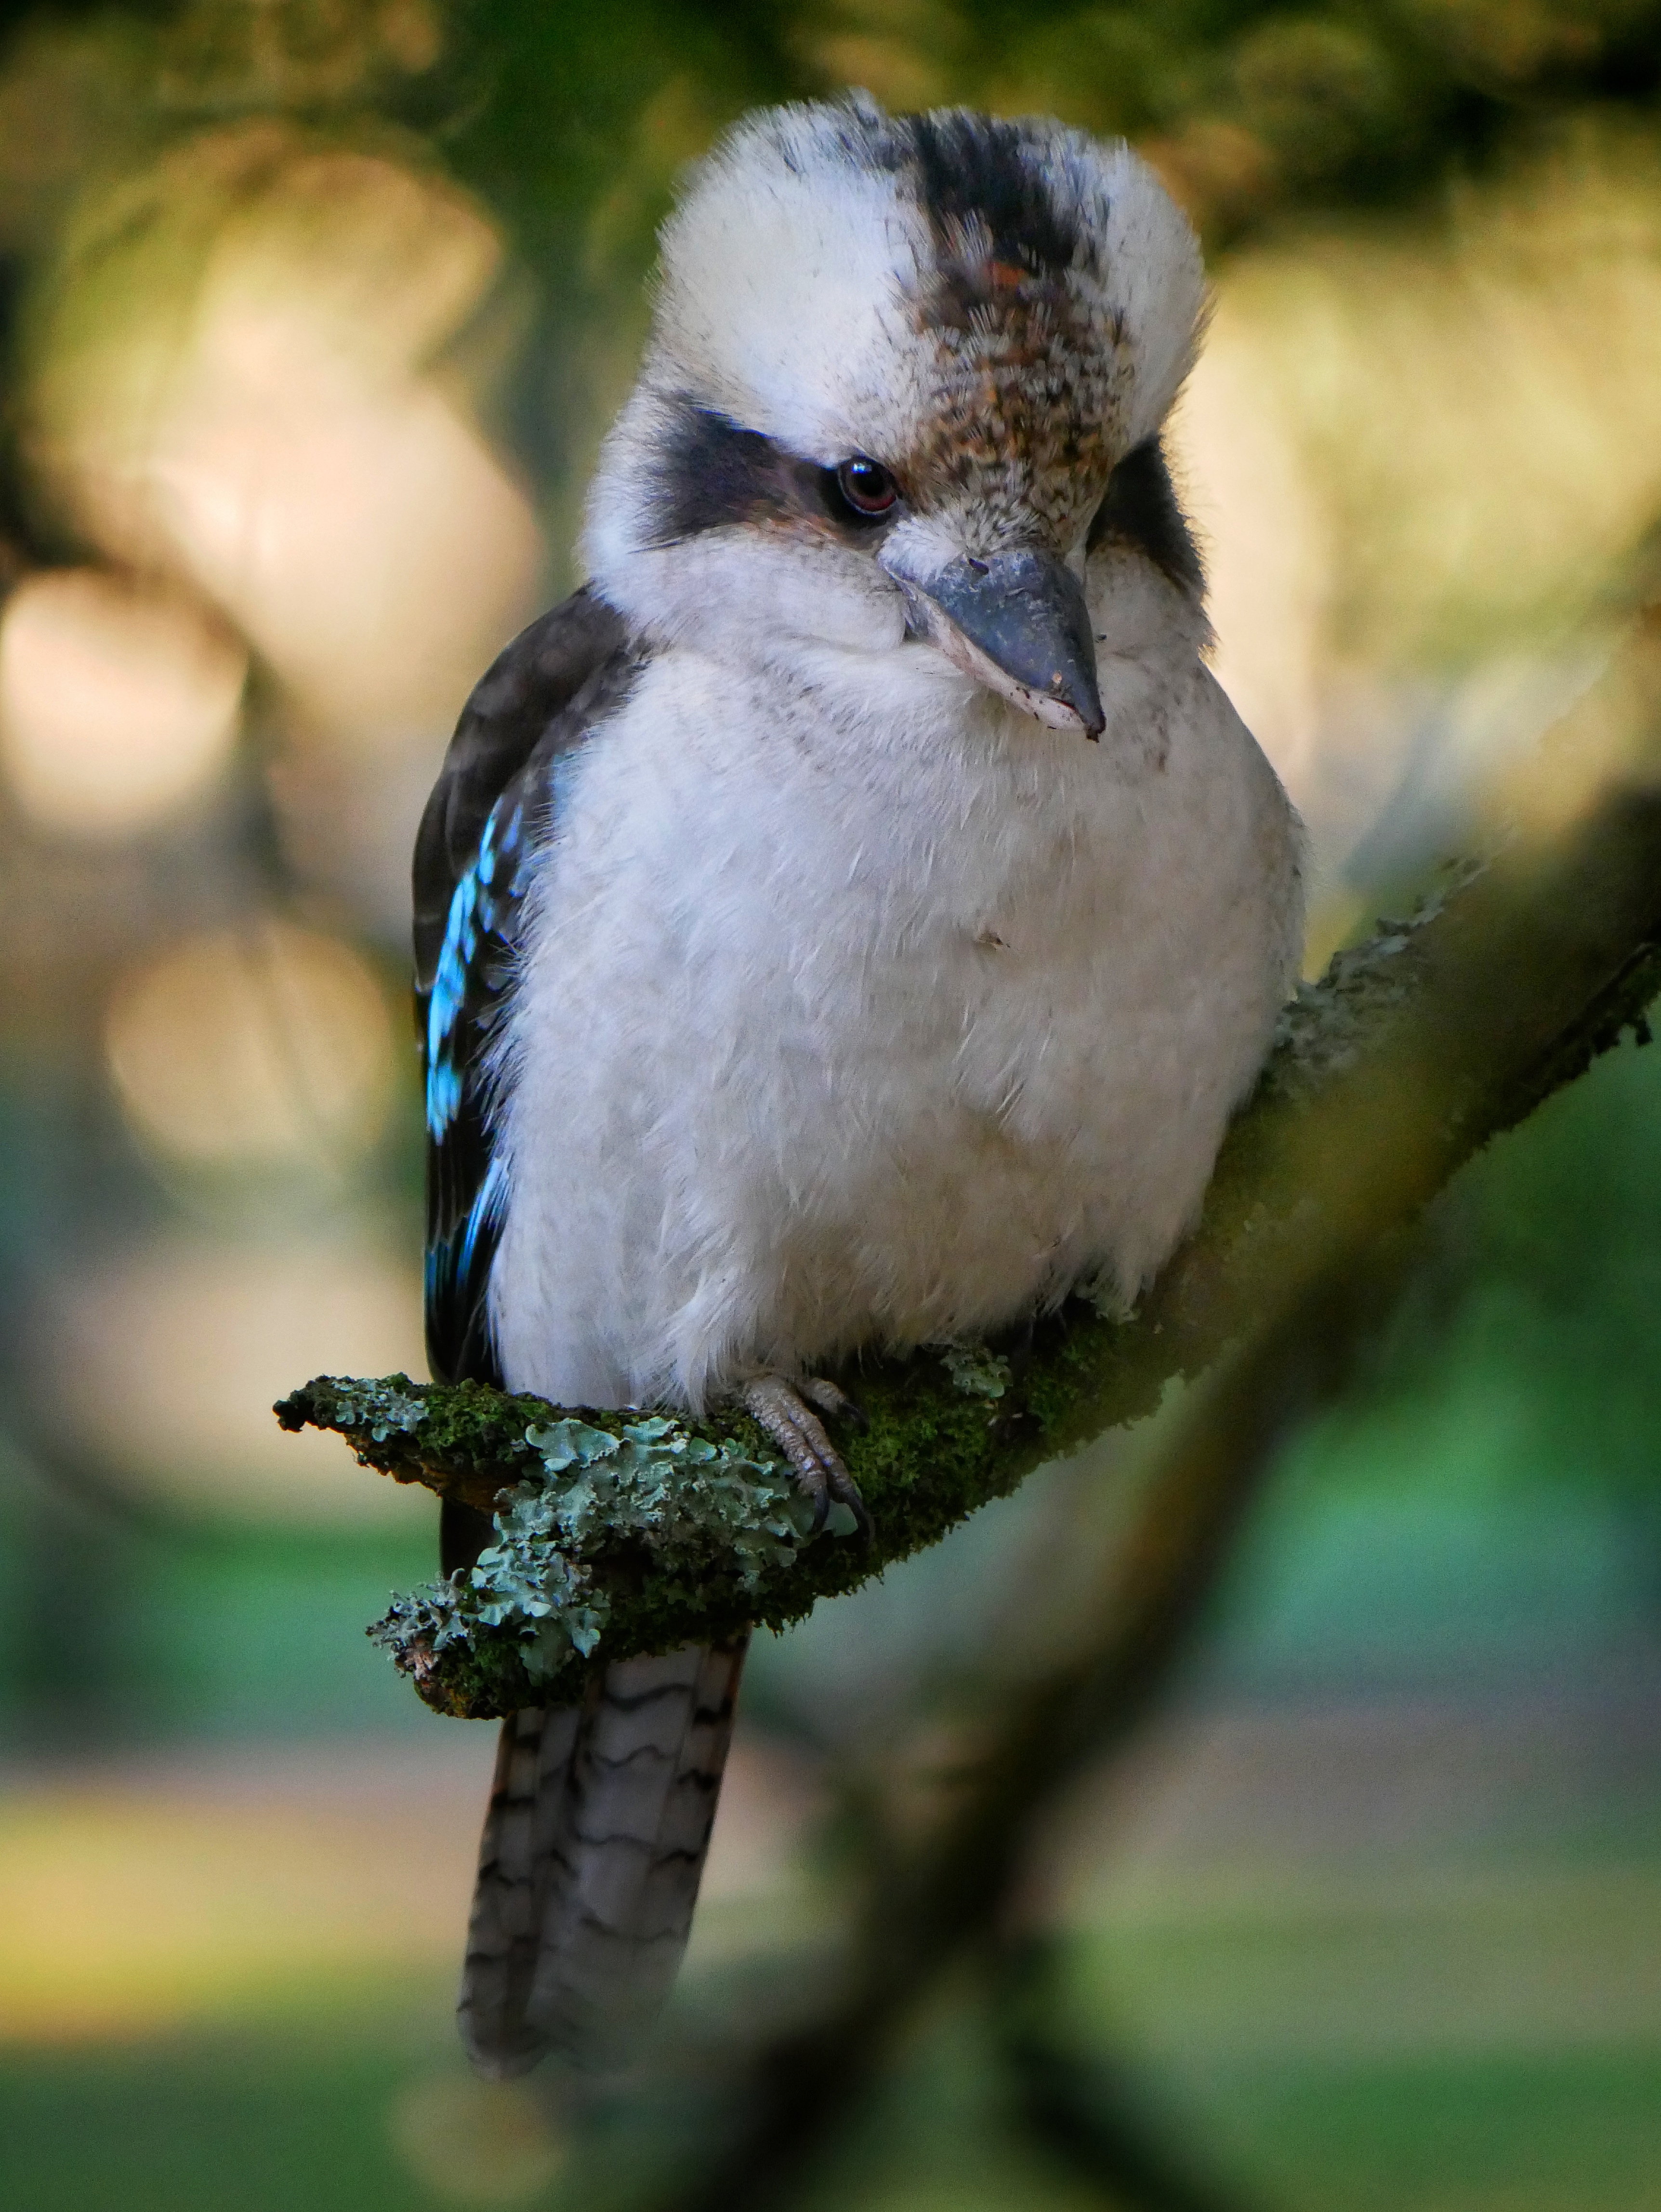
1025 363
993 312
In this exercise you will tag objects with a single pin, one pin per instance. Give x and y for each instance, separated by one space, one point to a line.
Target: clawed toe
836 1402
781 1409
846 1492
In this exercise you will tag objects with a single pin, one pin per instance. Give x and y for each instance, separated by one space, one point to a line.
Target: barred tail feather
593 1847
516 1860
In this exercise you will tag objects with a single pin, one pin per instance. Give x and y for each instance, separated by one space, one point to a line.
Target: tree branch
623 1535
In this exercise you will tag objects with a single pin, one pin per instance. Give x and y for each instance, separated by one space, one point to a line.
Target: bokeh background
311 313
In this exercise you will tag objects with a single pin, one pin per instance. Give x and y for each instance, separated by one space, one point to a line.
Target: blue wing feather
490 815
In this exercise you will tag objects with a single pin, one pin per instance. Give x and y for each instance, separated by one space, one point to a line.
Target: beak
1016 622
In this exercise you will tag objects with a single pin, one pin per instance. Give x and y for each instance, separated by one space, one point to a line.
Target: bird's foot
784 1410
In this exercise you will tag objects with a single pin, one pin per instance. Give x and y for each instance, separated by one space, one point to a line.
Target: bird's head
893 363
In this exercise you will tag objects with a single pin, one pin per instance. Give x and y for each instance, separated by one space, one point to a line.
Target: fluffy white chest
825 1035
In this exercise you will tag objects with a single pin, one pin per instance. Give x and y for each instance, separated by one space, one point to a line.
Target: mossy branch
622 1535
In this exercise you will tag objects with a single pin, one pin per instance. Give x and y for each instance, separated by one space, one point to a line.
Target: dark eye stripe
713 473
1140 508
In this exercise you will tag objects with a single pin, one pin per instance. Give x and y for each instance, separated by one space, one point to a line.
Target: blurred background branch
953 1890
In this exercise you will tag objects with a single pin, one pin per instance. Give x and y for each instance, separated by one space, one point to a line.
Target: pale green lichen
976 1371
523 1582
653 1483
656 1482
1324 1026
429 1620
1107 1300
381 1407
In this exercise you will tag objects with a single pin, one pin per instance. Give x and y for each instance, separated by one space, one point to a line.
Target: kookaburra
851 918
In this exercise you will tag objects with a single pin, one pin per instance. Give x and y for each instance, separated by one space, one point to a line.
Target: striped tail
588 1871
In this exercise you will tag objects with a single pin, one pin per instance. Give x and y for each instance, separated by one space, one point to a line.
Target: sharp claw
780 1408
861 1513
831 1399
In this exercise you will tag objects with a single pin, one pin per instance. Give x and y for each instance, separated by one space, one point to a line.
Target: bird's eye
867 486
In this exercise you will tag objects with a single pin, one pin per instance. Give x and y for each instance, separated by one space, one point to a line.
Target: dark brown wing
489 816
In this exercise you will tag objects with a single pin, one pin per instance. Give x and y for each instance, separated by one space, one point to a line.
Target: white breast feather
856 1006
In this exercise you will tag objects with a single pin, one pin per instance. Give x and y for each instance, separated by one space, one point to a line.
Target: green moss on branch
665 1529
